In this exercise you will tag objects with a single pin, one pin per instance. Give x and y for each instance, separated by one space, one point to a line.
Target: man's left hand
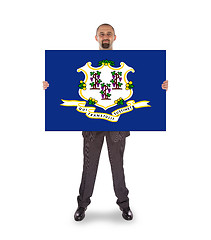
165 85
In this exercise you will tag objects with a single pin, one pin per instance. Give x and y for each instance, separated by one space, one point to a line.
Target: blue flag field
93 90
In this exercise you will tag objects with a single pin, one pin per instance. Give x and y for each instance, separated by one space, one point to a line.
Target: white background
167 173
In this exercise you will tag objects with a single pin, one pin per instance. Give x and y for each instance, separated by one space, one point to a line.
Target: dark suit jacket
115 135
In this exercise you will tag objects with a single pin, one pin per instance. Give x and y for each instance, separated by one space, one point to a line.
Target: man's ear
96 38
114 37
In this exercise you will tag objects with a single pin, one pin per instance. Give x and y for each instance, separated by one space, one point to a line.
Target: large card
93 90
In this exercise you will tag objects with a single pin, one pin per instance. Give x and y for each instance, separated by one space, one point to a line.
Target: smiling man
93 142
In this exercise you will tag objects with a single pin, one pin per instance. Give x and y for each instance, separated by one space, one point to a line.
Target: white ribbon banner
113 117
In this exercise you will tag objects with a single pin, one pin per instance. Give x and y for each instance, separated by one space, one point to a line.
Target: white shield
105 86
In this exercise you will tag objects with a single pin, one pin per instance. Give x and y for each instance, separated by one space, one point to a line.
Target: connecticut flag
93 90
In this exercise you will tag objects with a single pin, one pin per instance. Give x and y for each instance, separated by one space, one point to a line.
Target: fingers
45 85
165 85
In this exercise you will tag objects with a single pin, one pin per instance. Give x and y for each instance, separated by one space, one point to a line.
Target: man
93 142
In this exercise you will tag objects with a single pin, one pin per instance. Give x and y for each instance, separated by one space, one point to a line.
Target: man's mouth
106 43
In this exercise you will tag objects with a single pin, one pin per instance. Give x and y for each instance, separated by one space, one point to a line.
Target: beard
105 45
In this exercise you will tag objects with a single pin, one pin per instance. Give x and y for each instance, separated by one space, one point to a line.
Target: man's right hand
45 85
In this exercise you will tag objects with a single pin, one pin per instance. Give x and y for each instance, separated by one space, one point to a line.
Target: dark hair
105 24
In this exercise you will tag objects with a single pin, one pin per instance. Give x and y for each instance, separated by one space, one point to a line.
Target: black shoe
79 214
127 213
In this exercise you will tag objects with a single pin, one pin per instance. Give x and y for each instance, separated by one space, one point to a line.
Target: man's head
105 36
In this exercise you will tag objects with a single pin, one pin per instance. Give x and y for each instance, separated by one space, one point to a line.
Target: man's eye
101 34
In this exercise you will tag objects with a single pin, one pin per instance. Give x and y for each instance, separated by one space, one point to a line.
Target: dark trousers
92 150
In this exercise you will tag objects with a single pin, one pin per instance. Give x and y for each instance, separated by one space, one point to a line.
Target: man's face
105 37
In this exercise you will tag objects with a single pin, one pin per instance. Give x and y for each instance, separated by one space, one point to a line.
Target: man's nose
105 36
